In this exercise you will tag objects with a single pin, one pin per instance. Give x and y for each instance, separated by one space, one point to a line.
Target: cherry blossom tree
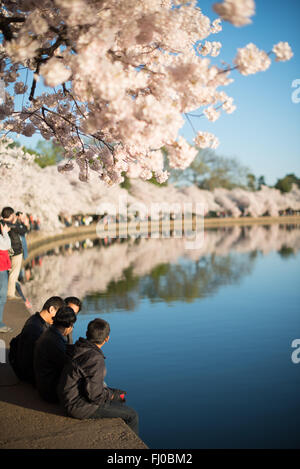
120 76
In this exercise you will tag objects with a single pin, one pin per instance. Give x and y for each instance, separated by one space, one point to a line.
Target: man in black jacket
22 347
50 353
17 229
81 389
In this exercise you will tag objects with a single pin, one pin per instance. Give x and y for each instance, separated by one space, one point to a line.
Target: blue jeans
24 246
114 409
3 293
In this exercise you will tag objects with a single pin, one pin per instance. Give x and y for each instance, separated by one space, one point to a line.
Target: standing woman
5 265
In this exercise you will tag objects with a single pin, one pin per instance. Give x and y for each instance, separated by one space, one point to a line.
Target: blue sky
264 131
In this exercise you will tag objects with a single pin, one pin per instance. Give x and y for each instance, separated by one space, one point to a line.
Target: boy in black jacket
51 352
81 388
22 347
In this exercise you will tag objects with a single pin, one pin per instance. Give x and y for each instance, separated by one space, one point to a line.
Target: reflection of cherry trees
27 187
119 273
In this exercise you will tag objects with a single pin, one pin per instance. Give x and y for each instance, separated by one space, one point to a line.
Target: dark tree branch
33 86
5 28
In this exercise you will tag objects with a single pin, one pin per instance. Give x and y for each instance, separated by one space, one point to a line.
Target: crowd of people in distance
33 222
44 355
227 213
76 220
86 220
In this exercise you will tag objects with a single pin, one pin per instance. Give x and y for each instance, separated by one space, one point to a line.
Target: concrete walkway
27 422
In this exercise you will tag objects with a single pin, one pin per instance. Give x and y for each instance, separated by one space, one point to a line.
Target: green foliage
16 144
159 270
154 181
285 184
209 170
261 182
48 153
254 183
126 184
119 294
170 282
13 144
286 252
251 182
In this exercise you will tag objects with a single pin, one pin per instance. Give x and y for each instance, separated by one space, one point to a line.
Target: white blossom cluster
237 12
206 140
120 77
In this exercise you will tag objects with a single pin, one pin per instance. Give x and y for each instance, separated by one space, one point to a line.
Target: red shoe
28 304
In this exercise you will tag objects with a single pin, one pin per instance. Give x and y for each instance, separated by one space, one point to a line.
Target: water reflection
116 274
184 281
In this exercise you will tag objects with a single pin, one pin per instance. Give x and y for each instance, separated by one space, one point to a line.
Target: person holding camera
5 265
17 229
23 219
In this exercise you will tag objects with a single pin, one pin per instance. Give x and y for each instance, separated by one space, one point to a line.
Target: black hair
55 301
97 331
74 300
65 317
6 212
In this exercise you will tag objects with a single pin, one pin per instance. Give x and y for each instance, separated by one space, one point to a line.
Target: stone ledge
27 422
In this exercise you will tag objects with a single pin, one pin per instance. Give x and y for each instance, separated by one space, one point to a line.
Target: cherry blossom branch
203 115
132 68
187 115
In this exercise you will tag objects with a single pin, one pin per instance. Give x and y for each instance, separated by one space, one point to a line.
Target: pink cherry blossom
121 77
237 12
282 51
251 60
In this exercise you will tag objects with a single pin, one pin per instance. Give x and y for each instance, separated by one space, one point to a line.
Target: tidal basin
201 339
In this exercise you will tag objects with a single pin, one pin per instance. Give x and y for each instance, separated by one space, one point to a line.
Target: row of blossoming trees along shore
121 79
48 194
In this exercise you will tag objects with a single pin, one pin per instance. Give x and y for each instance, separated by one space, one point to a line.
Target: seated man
76 304
50 353
22 347
81 389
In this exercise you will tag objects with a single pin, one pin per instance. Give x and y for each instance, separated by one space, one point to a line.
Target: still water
200 340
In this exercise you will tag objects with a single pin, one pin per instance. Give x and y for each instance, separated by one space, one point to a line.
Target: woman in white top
5 265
